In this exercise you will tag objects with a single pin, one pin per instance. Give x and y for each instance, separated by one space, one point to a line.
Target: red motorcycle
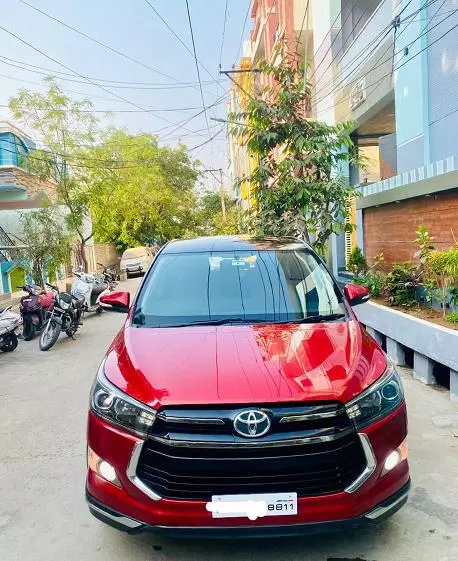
33 308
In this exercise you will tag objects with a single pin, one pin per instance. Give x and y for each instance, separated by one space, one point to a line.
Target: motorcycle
89 288
33 309
9 329
65 315
110 275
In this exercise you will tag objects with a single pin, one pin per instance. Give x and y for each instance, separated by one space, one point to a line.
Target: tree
47 241
147 195
65 128
210 220
299 189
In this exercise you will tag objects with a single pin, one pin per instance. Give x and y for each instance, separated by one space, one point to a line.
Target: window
254 286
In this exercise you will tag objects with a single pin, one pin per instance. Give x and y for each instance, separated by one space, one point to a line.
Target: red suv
242 397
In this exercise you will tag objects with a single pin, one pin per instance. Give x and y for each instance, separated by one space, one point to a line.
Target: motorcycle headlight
118 408
62 304
378 400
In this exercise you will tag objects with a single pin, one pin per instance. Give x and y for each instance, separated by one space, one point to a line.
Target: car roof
231 243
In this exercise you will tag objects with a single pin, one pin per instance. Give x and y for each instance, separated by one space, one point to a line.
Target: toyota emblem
252 424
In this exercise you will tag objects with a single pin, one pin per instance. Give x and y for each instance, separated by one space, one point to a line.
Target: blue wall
443 80
411 87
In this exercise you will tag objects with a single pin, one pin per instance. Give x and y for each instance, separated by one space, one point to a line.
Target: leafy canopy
48 243
147 195
299 185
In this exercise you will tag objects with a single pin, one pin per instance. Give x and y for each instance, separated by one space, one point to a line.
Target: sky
164 78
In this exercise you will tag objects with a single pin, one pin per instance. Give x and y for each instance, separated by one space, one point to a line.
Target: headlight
378 400
118 408
62 304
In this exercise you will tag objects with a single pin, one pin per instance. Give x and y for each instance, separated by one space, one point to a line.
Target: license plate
253 506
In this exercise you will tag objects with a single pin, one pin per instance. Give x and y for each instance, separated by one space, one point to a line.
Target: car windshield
241 286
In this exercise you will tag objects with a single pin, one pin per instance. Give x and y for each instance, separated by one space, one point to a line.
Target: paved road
43 517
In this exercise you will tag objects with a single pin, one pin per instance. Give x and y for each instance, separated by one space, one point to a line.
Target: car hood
244 364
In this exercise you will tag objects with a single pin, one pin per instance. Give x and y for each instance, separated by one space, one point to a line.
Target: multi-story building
272 20
391 68
21 191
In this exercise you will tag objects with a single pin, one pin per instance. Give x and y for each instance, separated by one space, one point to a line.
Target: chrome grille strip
311 416
253 444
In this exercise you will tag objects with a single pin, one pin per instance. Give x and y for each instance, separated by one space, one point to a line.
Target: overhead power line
344 80
302 25
223 34
243 33
100 43
207 141
375 84
59 73
82 76
175 34
197 62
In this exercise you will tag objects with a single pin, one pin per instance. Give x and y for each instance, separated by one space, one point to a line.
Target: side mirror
119 301
356 294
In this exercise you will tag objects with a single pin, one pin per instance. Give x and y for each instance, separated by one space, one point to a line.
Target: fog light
101 467
392 460
107 471
395 457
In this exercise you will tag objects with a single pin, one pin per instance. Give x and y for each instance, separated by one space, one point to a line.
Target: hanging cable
197 64
175 34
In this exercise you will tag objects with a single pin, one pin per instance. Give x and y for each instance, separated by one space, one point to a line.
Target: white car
136 260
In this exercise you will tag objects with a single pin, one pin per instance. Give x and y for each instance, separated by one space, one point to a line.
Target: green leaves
298 191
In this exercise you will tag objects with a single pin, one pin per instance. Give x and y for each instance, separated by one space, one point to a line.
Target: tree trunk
82 246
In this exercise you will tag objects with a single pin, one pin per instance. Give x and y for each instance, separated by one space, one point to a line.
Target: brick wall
34 185
107 254
391 228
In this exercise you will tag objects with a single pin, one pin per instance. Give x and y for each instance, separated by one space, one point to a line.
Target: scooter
10 324
33 309
88 287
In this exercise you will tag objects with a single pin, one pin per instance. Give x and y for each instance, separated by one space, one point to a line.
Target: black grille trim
315 455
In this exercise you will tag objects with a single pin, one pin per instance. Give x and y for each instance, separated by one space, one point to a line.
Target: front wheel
10 342
28 330
49 335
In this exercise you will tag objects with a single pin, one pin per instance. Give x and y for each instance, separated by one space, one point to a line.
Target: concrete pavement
43 516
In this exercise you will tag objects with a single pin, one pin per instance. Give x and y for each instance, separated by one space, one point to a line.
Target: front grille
193 454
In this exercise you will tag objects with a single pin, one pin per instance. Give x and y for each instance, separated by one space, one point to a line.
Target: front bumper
133 508
126 524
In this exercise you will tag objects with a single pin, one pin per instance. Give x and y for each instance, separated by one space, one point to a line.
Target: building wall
106 254
13 180
411 85
443 80
391 228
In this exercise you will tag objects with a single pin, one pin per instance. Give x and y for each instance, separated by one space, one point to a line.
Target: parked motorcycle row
52 311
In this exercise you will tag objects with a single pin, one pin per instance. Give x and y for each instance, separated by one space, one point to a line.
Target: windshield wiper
228 321
321 318
224 321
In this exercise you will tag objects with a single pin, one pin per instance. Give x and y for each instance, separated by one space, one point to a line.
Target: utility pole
221 188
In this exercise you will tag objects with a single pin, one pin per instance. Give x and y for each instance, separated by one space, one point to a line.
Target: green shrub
357 263
452 317
374 282
401 284
442 267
